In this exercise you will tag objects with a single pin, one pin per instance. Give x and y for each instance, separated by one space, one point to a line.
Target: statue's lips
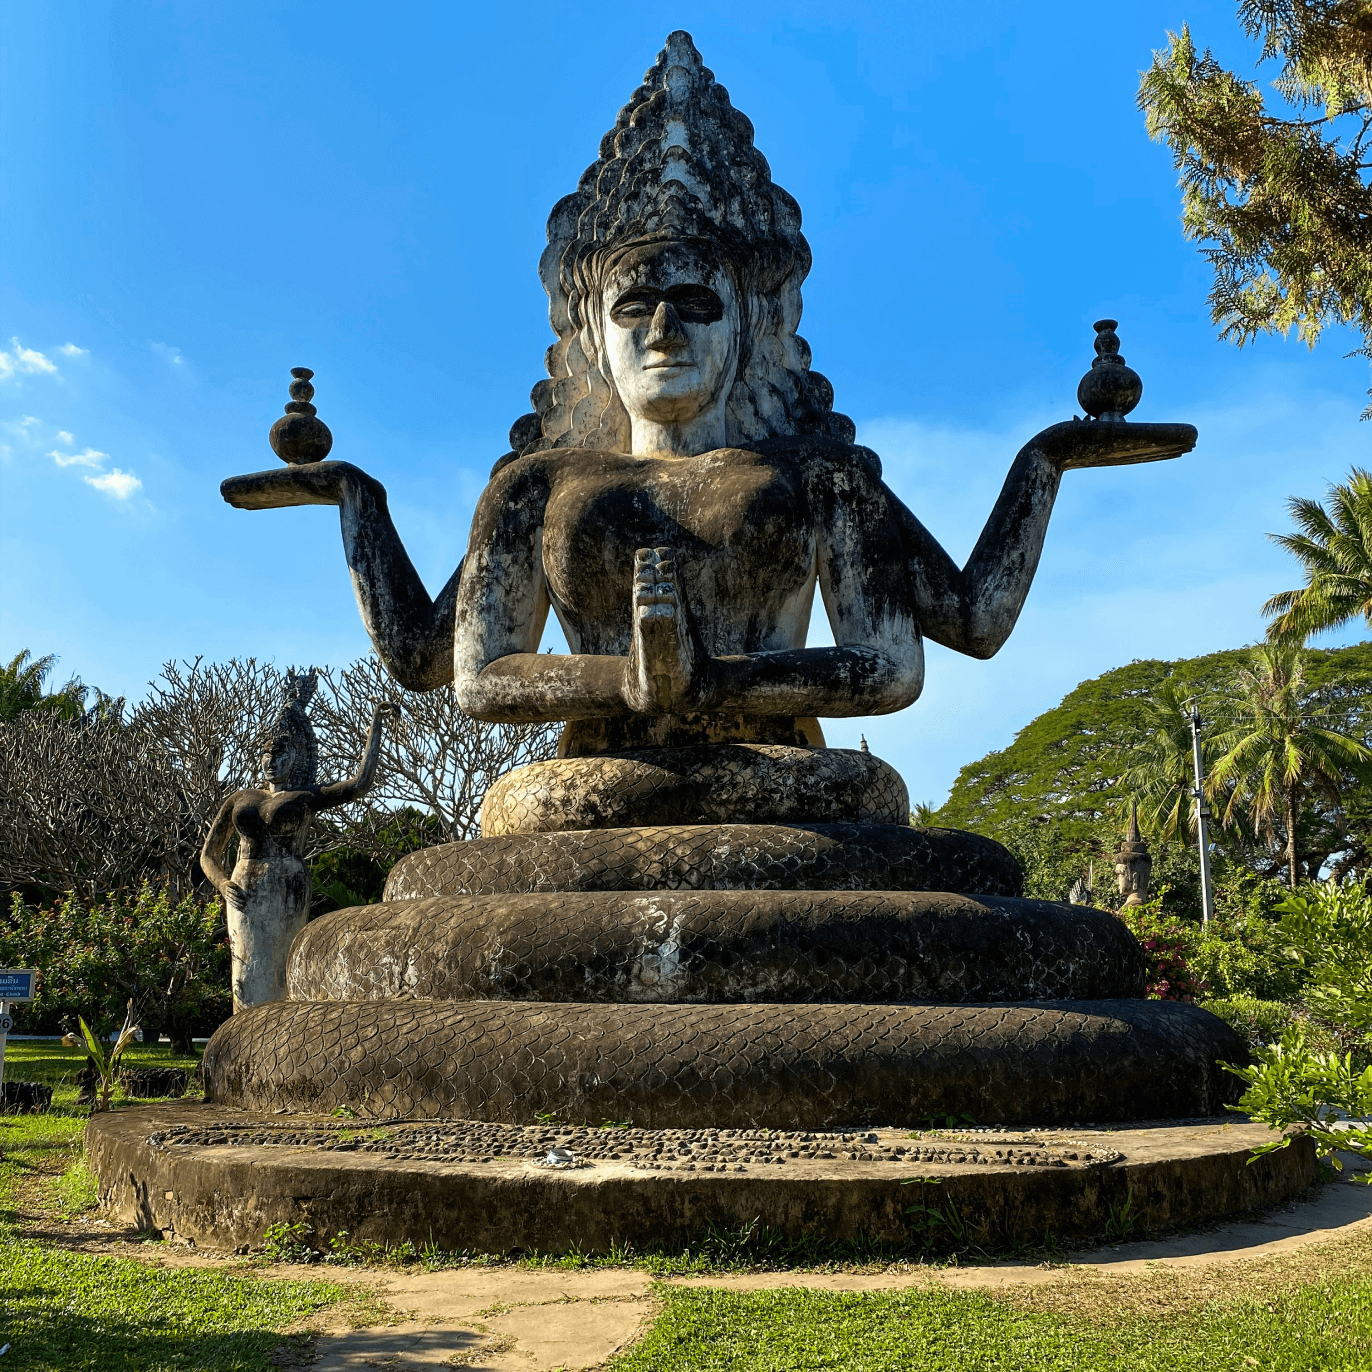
669 366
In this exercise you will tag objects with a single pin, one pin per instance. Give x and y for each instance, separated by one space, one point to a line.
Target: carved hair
293 728
679 163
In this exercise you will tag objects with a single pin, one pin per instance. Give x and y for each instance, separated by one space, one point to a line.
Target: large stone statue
699 913
267 896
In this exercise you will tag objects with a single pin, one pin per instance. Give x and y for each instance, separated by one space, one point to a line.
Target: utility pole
1202 820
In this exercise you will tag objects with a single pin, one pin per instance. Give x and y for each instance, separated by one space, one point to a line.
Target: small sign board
16 983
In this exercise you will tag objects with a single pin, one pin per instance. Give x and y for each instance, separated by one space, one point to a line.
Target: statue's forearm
973 609
412 632
533 688
830 682
361 781
998 575
215 847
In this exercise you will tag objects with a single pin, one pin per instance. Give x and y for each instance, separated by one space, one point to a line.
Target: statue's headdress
679 163
293 726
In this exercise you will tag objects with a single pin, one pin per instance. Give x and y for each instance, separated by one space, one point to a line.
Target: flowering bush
171 957
1167 945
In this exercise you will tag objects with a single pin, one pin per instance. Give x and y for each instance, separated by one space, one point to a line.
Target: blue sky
198 197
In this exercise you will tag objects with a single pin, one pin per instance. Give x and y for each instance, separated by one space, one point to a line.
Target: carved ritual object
698 914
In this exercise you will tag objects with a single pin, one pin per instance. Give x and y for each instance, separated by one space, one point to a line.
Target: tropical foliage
22 688
1282 741
1279 192
1323 1089
170 956
1334 547
1059 794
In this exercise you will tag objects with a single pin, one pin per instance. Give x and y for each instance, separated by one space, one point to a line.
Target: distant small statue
1133 863
1083 890
267 899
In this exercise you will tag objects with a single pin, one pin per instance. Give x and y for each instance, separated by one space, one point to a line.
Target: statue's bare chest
740 524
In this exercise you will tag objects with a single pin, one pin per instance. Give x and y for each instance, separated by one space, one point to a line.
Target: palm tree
1335 546
1280 744
21 688
1160 775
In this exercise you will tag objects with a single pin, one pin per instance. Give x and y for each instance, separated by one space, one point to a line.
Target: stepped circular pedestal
709 982
719 973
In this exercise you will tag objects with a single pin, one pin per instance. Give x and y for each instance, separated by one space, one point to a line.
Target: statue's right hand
312 483
234 895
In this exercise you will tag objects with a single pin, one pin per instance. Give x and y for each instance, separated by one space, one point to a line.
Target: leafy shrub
1166 944
171 957
1328 929
1261 1022
1246 957
1297 1082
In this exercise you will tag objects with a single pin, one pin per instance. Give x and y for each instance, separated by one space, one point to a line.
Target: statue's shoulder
547 462
822 453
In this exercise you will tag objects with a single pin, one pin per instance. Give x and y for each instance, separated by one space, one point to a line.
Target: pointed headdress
679 163
292 726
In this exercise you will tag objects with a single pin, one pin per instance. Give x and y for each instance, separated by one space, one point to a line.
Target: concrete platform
220 1178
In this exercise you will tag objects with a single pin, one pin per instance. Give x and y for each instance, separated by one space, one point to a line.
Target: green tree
1283 202
1334 546
1281 743
1161 770
21 688
1057 796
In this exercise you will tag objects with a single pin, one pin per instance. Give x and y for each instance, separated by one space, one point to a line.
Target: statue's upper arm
502 601
937 585
861 564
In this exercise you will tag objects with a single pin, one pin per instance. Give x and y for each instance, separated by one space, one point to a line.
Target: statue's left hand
1111 443
313 483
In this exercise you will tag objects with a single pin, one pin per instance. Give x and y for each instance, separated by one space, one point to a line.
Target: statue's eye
696 304
631 308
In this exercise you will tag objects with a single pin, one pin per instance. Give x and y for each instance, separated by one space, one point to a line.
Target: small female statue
267 899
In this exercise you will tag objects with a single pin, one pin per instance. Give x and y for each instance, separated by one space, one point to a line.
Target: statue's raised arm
684 484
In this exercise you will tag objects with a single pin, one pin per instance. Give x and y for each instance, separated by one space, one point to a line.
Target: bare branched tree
435 759
101 803
88 805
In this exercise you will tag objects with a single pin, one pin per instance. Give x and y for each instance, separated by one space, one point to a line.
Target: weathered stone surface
718 947
751 783
227 1195
732 1066
147 1083
722 857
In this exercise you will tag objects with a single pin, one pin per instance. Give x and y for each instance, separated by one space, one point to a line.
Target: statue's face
671 329
278 762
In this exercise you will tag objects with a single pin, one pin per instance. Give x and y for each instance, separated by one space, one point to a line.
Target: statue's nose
665 333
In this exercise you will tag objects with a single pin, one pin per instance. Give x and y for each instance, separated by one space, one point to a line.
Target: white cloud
62 435
169 354
20 360
29 420
90 458
71 350
120 485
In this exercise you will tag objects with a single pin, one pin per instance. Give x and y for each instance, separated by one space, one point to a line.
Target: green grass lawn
1327 1326
62 1310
